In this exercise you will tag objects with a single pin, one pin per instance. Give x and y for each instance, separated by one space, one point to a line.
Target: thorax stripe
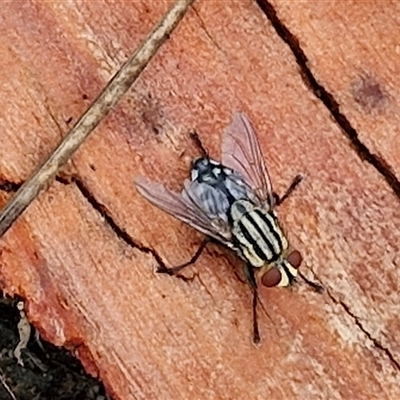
247 232
271 225
265 235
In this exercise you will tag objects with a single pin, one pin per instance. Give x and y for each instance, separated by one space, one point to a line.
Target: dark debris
49 372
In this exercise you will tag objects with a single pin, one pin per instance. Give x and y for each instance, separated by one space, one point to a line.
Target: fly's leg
279 200
315 286
175 270
196 139
251 280
256 332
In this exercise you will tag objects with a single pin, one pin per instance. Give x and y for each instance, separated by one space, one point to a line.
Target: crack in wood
9 186
378 345
103 211
204 28
328 99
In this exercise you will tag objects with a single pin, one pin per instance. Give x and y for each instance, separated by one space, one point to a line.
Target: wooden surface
82 253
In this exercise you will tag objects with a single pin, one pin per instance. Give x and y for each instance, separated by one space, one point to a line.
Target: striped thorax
261 241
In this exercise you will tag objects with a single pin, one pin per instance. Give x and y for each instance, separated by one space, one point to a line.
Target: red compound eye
295 259
272 277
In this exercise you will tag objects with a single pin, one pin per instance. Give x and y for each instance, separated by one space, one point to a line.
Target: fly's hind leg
175 270
279 200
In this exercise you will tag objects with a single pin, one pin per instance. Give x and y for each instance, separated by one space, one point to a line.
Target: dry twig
101 106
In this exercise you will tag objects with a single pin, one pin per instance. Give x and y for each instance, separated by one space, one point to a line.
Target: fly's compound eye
295 259
284 273
272 277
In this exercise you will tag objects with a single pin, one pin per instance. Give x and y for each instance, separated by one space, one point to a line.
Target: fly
233 203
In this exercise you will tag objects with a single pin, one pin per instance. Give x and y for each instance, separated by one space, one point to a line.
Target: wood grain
354 57
83 253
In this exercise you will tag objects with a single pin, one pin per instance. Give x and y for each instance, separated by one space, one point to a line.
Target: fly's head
283 272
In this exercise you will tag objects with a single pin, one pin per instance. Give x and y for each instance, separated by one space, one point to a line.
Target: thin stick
107 99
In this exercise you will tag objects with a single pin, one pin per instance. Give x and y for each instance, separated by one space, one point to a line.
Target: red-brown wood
152 336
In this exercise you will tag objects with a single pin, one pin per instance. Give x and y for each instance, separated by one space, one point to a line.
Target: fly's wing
241 152
182 207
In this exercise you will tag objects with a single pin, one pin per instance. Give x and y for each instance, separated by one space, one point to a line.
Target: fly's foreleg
279 200
315 286
196 139
175 270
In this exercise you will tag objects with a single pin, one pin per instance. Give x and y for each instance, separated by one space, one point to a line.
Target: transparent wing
182 207
241 152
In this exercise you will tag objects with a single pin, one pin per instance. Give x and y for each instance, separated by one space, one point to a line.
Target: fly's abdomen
258 234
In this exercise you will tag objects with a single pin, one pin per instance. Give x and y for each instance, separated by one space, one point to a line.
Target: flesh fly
233 203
